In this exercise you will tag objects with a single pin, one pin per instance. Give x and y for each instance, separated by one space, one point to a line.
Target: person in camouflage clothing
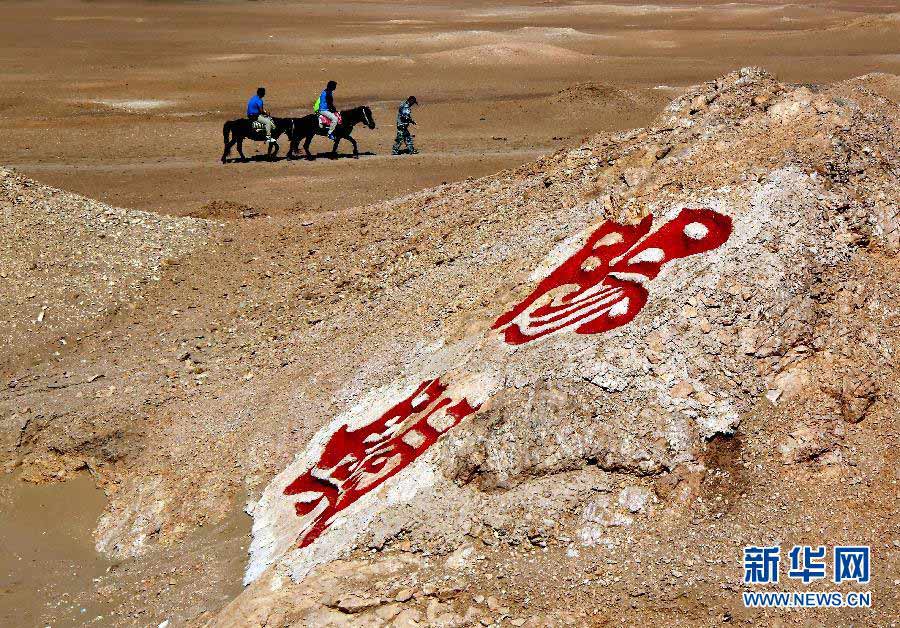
404 119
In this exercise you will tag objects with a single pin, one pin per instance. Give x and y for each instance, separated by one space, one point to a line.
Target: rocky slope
767 358
722 372
69 261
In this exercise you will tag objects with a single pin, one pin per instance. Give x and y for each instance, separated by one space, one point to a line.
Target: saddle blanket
324 122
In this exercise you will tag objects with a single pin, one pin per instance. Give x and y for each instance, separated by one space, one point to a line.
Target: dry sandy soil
124 102
184 362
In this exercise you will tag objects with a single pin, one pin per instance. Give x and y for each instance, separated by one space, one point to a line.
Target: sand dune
138 104
537 33
507 53
416 42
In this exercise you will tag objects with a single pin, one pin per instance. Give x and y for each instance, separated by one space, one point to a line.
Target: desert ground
174 339
124 102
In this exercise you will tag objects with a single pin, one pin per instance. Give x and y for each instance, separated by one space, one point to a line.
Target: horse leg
240 147
227 151
337 140
355 147
226 132
306 147
273 147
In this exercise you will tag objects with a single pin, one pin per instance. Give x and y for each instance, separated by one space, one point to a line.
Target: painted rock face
357 461
603 285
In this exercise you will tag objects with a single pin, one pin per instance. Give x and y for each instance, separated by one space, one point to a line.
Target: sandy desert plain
124 102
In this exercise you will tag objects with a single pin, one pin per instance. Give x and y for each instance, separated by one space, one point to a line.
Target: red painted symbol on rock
356 461
601 287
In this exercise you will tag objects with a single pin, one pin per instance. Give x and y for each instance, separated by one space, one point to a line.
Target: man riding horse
309 126
258 126
256 111
325 107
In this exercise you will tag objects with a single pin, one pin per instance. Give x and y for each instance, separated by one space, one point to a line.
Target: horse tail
227 128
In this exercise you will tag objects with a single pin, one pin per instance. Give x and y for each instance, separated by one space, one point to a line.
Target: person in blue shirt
325 107
256 111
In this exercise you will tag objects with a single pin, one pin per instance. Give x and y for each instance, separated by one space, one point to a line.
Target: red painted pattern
602 286
357 461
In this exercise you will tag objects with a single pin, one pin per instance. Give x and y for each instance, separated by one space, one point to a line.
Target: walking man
256 111
404 119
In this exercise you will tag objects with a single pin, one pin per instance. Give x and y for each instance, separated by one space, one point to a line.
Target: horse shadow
255 158
261 158
330 155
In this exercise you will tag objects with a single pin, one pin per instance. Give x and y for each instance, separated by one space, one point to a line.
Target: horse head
368 118
360 114
283 125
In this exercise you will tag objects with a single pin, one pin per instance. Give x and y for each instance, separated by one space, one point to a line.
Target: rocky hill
69 261
566 394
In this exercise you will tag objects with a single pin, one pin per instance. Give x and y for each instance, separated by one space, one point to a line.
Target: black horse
236 131
308 126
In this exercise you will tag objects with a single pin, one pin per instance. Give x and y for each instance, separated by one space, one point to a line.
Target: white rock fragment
634 498
460 558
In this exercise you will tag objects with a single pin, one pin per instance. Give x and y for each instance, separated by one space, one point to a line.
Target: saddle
256 125
325 122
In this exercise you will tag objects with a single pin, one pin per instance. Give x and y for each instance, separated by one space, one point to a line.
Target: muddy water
50 574
47 556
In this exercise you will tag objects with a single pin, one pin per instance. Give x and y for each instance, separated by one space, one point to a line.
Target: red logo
356 461
602 286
